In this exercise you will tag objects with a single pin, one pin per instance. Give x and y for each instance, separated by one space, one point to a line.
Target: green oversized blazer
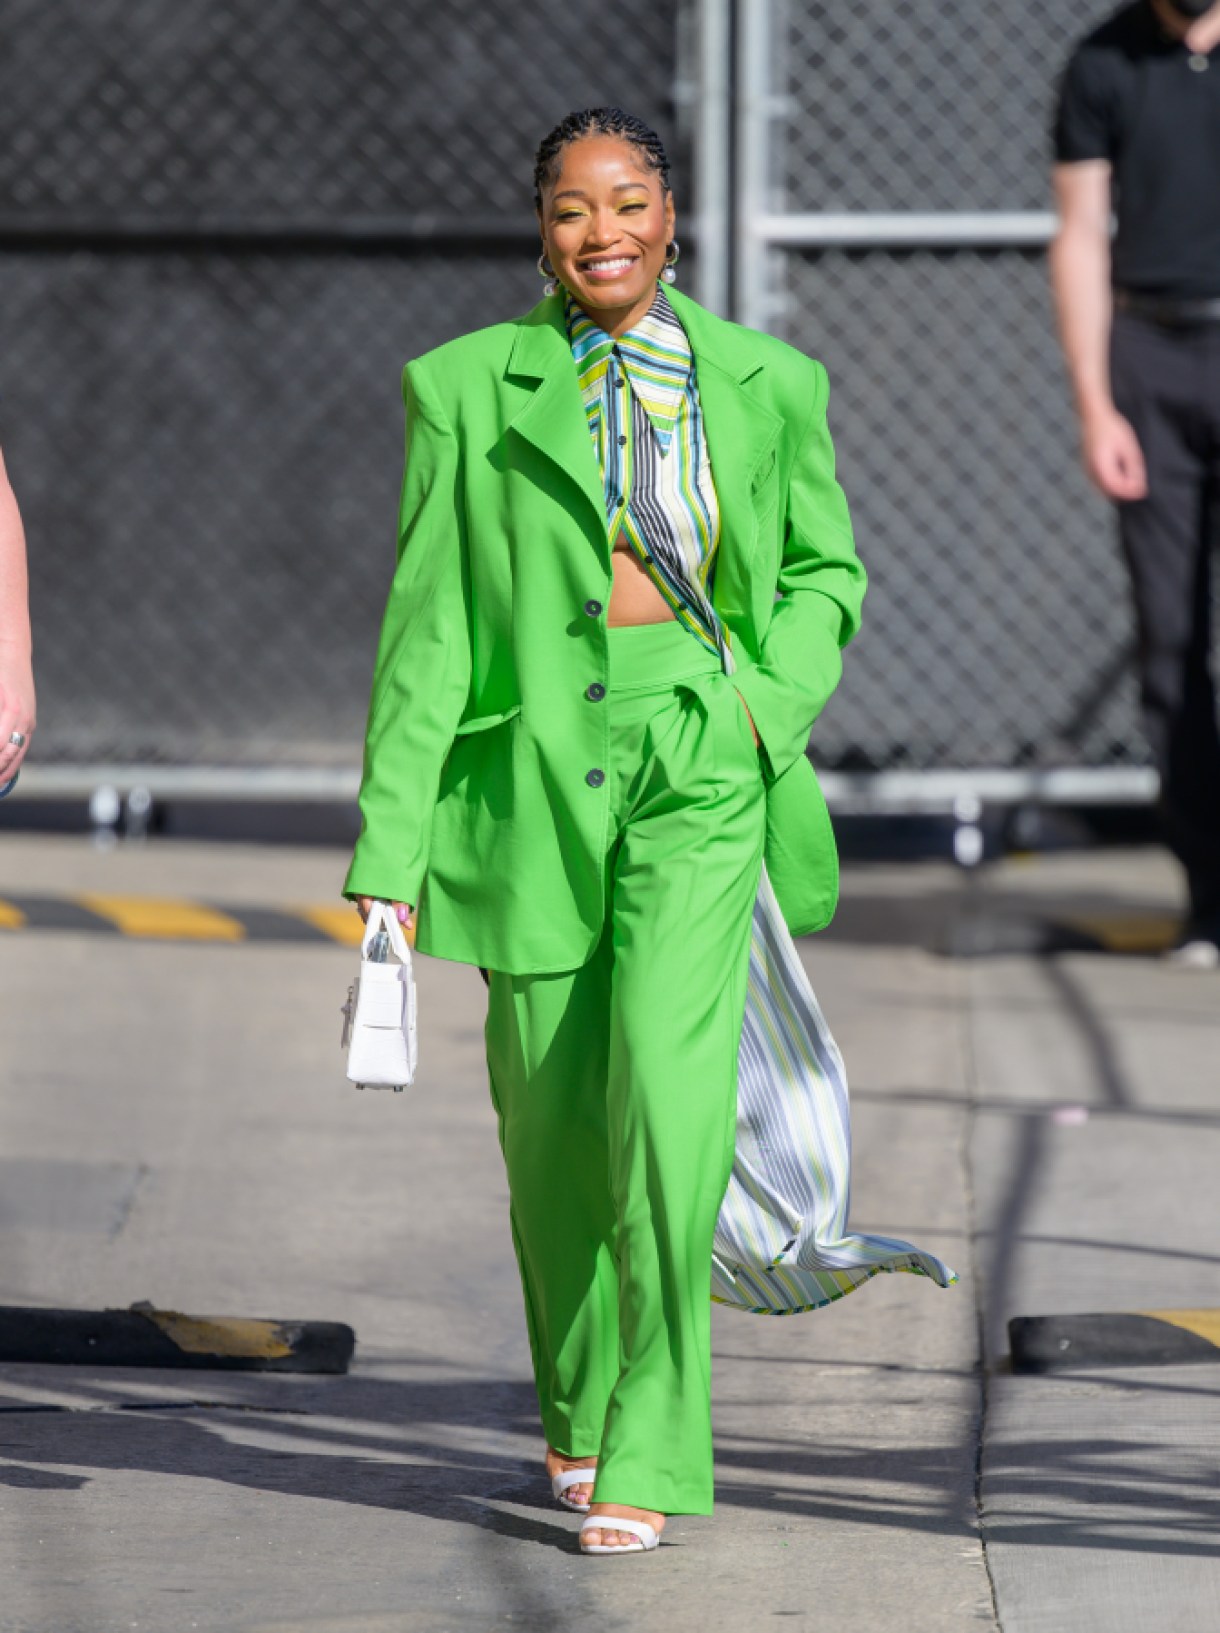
486 718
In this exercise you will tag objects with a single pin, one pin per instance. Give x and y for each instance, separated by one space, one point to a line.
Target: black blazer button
593 608
596 692
595 778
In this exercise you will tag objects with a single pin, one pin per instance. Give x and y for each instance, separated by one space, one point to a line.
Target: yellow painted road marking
339 923
164 918
1129 932
1203 1323
175 919
221 1335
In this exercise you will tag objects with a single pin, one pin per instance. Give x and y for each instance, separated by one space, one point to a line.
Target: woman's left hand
404 913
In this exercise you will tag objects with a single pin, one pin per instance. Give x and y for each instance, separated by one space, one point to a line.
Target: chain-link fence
929 105
998 625
999 628
223 229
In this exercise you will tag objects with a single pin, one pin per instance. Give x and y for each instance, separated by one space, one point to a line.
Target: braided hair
598 122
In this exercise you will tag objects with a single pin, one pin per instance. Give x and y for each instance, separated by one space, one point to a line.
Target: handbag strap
382 917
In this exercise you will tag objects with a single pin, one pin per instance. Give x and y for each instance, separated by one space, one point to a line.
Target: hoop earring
547 271
672 252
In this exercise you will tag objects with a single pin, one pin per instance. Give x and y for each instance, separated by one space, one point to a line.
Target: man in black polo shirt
1137 132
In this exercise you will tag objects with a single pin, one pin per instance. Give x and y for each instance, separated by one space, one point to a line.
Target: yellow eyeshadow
577 209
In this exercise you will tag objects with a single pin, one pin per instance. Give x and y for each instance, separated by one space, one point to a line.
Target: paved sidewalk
174 1126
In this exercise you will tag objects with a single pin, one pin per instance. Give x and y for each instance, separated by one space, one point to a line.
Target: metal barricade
223 229
890 186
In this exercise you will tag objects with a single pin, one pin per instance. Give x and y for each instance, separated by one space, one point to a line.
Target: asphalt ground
1036 1097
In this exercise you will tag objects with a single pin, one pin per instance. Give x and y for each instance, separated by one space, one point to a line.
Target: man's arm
16 672
1080 278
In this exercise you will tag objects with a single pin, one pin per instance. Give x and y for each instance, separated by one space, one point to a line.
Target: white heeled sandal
647 1535
562 1482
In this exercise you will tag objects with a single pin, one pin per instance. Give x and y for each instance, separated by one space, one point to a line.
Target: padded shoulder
495 341
800 377
794 382
448 370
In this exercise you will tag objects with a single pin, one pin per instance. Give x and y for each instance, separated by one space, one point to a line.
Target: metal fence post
751 293
712 156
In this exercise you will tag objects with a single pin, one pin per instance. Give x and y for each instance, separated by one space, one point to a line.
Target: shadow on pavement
390 1445
369 1445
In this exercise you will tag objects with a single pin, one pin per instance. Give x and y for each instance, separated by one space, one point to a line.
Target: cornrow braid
598 122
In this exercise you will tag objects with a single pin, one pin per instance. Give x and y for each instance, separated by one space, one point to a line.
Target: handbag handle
382 918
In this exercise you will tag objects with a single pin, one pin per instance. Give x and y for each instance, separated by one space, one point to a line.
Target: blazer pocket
484 722
764 496
764 473
766 511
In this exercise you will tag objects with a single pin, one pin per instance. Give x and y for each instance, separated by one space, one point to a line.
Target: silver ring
17 739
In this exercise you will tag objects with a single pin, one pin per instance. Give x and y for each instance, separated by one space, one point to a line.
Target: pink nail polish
404 914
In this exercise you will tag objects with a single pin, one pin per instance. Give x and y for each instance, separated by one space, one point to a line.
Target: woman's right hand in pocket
404 913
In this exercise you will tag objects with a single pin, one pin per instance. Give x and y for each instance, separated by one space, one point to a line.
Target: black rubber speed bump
147 1337
1057 1343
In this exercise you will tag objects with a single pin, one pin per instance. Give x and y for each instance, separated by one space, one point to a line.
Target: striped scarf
642 405
782 1242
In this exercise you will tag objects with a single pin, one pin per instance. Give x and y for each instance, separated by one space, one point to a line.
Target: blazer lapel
553 419
741 431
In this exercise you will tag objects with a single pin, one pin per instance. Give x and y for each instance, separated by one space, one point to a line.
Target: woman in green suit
625 576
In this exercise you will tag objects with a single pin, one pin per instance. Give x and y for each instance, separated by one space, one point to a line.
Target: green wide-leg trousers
616 1084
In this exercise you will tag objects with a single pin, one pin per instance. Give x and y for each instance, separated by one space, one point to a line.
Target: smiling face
606 220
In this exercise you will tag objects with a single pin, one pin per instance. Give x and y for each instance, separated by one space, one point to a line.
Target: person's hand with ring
16 711
402 912
16 669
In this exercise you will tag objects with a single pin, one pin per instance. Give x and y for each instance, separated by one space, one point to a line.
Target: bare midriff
634 597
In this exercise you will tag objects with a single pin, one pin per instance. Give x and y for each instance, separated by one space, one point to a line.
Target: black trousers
1166 381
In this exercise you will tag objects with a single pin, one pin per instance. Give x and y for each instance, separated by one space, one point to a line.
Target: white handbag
379 1015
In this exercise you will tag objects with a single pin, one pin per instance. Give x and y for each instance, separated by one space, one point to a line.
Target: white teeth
608 266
